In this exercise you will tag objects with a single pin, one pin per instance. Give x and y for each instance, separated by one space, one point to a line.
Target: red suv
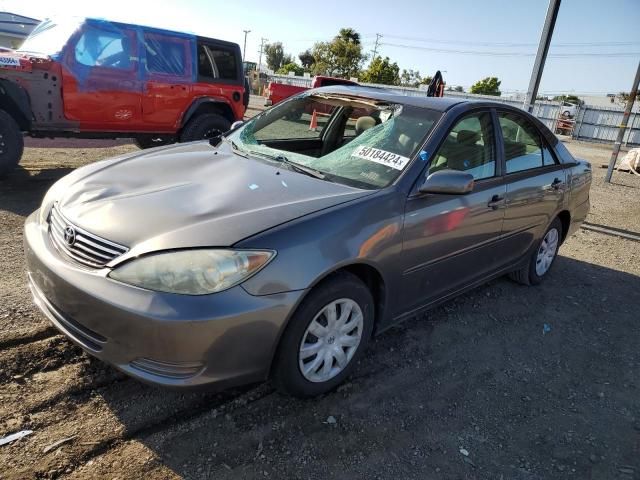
97 79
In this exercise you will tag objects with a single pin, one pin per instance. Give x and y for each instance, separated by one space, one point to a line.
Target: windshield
50 37
362 142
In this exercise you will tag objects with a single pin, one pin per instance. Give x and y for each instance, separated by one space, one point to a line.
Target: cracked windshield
363 143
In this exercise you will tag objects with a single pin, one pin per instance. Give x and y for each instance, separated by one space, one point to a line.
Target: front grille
84 247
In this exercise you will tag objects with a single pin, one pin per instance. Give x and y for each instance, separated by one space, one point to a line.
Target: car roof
439 104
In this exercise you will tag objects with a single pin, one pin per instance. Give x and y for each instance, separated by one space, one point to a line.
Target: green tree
426 80
624 96
306 59
458 88
276 57
487 86
290 67
341 57
382 71
410 78
567 98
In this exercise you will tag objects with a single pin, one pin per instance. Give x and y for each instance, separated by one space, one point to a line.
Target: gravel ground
477 389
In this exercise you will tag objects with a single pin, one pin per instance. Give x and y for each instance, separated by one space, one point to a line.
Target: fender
15 100
207 101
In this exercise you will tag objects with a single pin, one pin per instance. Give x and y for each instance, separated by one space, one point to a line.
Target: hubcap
331 340
547 252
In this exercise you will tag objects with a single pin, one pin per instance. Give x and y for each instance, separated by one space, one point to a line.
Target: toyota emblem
69 236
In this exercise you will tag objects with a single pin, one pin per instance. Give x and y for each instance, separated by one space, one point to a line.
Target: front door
103 89
450 240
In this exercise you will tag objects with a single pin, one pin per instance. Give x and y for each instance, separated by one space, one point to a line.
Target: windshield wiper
312 172
215 141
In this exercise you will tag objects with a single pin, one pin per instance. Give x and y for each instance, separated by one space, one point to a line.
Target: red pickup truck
276 92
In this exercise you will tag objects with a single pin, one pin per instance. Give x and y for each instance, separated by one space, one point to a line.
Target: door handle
496 202
557 184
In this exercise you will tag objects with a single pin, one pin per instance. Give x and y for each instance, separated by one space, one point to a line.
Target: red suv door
101 83
169 71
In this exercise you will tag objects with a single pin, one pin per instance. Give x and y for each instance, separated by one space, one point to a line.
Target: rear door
169 72
104 89
450 240
536 183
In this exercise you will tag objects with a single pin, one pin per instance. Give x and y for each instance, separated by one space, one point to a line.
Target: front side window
361 142
522 143
469 147
104 48
217 63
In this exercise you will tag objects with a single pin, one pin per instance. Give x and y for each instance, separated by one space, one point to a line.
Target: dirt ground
506 382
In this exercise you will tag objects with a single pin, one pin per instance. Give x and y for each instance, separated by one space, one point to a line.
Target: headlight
192 272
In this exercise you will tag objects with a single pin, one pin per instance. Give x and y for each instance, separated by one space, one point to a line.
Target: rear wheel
325 337
204 126
11 143
542 258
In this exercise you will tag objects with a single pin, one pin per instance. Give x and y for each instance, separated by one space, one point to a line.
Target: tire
536 270
204 126
151 142
342 290
11 143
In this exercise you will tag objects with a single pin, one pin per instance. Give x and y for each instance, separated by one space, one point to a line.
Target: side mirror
453 182
237 124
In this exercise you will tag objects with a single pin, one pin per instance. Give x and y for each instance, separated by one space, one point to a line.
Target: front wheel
202 127
325 337
542 257
11 143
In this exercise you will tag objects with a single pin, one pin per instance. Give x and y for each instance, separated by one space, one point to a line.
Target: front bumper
227 338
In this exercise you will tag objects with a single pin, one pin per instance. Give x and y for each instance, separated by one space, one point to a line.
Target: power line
513 44
511 54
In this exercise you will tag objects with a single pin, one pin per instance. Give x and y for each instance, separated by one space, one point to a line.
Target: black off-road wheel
204 126
11 143
325 337
542 258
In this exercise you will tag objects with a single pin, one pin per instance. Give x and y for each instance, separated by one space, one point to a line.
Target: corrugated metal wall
596 124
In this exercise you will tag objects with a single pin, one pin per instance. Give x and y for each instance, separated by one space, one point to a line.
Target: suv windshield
50 37
358 141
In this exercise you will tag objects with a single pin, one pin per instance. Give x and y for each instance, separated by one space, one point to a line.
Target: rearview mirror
453 182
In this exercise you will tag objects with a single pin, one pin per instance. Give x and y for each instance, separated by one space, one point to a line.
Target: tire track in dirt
20 399
115 414
47 331
38 356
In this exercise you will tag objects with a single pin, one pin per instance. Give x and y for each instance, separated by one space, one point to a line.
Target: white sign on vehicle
382 157
14 62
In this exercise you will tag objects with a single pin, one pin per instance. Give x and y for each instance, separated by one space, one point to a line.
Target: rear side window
522 143
166 55
101 48
216 62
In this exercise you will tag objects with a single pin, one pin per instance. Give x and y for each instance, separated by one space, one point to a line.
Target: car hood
191 195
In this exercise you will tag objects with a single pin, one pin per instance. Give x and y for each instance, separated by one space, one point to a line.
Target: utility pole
262 42
541 56
623 124
244 50
375 48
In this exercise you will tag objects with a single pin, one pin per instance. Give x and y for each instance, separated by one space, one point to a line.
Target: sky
595 47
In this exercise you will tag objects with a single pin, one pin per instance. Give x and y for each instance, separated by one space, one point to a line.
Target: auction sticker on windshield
382 157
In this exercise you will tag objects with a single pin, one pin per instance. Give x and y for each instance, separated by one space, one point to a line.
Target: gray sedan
278 250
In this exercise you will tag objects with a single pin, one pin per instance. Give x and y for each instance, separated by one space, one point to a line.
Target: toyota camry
279 249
